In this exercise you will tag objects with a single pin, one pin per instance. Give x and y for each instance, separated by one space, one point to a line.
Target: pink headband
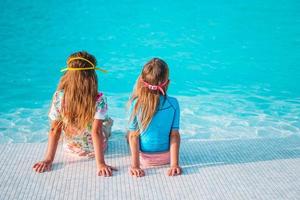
156 87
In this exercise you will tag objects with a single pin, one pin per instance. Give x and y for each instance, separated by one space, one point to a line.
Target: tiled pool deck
231 169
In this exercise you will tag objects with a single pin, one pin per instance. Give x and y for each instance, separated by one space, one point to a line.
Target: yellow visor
78 69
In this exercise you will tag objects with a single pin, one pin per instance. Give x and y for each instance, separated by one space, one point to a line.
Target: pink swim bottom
154 159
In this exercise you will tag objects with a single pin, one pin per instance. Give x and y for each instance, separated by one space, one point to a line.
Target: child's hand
136 171
42 166
174 171
105 170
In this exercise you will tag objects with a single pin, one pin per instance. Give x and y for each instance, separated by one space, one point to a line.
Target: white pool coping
231 169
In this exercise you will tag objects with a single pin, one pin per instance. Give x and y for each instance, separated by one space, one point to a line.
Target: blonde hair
80 89
155 72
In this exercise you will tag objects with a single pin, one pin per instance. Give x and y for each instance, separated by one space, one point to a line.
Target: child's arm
134 143
174 151
53 138
97 137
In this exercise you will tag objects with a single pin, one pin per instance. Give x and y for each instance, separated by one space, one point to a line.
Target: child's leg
148 160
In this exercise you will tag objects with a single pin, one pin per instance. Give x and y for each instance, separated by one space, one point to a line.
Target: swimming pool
234 66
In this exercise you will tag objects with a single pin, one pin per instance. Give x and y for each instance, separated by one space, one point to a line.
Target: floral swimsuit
82 144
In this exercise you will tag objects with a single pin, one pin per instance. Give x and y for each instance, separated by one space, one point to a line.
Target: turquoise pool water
234 65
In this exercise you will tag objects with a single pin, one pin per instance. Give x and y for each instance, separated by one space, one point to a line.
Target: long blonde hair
80 89
155 72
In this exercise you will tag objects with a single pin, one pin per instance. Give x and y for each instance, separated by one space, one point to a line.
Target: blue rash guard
156 137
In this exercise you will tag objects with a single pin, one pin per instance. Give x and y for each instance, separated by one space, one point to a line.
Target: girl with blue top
154 121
